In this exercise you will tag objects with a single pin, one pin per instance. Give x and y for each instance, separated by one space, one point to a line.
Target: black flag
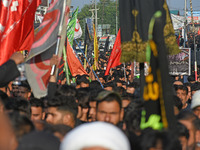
158 93
135 16
88 45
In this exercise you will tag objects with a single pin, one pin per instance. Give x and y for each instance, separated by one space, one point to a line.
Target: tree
106 14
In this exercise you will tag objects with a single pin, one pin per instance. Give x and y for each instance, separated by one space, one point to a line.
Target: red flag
16 26
199 32
74 64
178 39
114 59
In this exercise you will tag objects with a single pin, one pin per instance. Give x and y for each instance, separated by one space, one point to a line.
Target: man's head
187 118
62 110
37 109
109 107
84 82
83 103
182 92
24 90
92 104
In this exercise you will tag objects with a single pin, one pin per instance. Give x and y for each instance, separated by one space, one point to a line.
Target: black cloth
135 16
39 140
52 86
8 72
163 105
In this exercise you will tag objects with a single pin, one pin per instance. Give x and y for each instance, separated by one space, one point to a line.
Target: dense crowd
85 116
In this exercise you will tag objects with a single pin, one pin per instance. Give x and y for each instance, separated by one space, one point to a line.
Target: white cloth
195 99
96 134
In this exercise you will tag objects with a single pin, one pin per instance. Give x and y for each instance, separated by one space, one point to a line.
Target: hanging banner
180 64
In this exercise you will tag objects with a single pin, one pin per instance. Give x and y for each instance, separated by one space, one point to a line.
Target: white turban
96 134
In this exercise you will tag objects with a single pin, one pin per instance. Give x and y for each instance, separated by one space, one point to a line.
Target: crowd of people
87 115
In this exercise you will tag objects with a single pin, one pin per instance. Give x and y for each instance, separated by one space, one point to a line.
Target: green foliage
106 14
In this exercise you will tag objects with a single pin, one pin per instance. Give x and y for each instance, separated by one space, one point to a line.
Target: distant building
103 29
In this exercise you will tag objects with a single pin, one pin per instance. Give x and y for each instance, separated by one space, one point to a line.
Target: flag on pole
96 49
45 43
74 64
16 26
158 93
135 16
78 30
88 45
71 27
115 56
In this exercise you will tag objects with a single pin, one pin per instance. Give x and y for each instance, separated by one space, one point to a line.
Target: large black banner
180 64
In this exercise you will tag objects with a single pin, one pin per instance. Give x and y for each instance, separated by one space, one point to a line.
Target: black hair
109 98
120 90
150 139
110 84
18 104
95 84
64 103
21 124
195 86
37 102
180 130
191 78
181 87
65 90
25 84
82 96
84 79
186 115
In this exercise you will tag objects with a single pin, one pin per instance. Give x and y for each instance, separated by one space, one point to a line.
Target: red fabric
114 59
74 64
178 39
199 32
16 26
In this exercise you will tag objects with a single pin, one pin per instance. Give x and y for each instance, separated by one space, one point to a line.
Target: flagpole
89 64
59 36
66 65
125 71
85 65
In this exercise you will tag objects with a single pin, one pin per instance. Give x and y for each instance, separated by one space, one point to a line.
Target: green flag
71 27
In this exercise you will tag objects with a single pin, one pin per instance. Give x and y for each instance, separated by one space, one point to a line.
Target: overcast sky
173 4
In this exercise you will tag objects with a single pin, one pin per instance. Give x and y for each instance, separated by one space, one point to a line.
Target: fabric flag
96 49
45 43
199 32
74 64
78 30
88 45
71 27
135 16
158 94
106 48
16 26
178 39
115 55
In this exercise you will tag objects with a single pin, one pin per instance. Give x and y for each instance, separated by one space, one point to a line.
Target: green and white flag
71 27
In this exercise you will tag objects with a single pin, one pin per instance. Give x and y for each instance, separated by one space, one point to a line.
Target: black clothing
8 72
